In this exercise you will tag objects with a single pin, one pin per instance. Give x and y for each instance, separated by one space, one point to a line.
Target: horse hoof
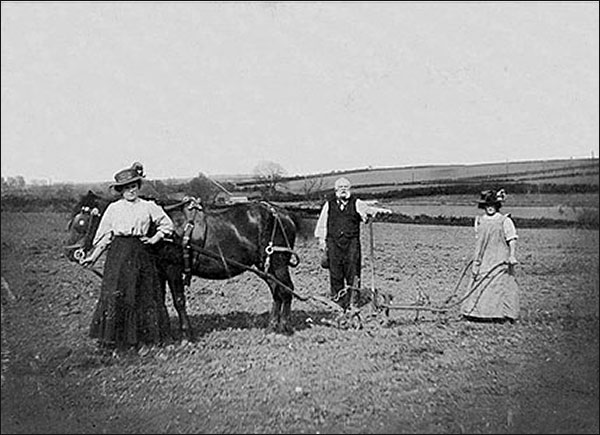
286 330
187 335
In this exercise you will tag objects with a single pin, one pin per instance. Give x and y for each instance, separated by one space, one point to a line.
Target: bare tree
270 174
311 185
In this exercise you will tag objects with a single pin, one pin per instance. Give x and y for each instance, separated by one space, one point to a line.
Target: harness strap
193 204
179 204
270 249
185 243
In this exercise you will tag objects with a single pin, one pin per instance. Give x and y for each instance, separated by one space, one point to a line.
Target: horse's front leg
174 274
275 314
282 300
285 322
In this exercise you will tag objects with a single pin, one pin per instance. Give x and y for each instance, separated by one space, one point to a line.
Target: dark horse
217 244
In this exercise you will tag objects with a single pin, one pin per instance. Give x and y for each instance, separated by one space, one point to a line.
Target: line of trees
13 183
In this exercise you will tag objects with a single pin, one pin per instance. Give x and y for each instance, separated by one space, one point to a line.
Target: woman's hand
90 259
152 240
87 261
375 211
475 269
322 244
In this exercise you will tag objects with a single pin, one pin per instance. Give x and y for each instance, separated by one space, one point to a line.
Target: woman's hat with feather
129 175
492 197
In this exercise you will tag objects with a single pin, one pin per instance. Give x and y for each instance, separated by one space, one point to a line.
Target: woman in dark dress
130 311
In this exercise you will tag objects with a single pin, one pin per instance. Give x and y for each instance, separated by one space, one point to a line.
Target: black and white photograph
300 217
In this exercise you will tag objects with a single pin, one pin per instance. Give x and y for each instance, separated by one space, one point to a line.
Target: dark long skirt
131 309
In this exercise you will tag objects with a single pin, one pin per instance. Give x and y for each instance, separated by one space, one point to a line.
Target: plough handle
372 258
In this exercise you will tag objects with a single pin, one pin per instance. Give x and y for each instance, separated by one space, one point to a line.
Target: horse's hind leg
175 279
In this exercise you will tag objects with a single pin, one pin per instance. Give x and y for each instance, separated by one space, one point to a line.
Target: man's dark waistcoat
343 223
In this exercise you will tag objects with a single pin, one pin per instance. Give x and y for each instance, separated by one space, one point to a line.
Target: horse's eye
82 222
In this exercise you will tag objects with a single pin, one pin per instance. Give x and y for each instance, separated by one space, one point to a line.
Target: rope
264 275
98 274
445 307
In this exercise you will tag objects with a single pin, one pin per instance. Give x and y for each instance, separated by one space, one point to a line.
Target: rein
446 306
181 203
235 263
98 274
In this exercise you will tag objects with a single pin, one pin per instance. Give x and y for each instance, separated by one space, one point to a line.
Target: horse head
185 213
83 224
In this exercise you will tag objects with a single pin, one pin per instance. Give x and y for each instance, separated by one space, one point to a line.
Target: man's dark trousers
344 263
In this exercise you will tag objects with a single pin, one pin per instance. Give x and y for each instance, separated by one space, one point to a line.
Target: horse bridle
270 249
79 253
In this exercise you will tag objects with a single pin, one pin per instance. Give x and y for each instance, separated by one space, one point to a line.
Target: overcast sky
218 87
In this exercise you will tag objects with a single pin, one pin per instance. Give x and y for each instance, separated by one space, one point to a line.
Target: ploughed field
431 374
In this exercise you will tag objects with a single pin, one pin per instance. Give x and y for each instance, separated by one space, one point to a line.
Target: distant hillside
377 180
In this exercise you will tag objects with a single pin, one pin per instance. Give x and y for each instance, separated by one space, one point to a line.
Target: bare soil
425 373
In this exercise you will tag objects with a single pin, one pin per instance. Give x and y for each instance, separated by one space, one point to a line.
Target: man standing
338 231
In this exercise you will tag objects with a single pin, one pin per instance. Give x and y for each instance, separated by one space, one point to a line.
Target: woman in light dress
495 293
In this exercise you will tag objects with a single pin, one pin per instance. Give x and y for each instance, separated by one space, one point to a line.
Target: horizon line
221 176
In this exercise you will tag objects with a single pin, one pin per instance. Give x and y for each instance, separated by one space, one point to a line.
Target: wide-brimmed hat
491 197
129 175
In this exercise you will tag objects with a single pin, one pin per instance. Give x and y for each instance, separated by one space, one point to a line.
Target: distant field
590 200
513 200
380 180
556 213
530 206
567 207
